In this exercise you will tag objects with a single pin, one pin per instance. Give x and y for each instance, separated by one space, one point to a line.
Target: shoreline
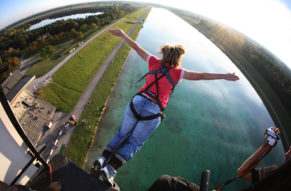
258 89
109 78
279 116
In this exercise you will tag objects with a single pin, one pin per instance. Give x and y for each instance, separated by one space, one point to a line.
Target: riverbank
244 54
83 135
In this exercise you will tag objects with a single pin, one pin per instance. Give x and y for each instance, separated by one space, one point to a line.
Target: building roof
32 122
14 84
39 112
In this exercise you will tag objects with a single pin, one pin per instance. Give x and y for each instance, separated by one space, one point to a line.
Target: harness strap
170 79
164 70
142 118
153 95
157 96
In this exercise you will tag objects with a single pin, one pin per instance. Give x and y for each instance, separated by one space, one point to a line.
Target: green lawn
73 77
83 135
44 65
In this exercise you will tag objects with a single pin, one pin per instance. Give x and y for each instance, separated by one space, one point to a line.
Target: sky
267 22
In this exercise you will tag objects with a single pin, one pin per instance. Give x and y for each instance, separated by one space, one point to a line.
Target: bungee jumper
144 112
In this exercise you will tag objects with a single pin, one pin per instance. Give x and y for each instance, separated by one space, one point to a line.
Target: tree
42 40
15 61
84 28
93 26
80 35
47 51
33 46
22 42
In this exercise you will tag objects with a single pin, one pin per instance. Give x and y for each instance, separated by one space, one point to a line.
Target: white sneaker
108 173
99 162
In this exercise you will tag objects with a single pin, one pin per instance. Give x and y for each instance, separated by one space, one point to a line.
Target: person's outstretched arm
190 75
141 52
251 163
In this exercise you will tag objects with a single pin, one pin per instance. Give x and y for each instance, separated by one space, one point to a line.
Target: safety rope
255 163
51 173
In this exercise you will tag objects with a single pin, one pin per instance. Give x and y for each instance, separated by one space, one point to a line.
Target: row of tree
274 72
18 41
118 8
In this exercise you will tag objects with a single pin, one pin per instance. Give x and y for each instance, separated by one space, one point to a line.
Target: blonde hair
172 54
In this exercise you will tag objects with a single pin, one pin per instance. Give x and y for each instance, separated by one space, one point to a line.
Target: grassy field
44 65
83 135
72 78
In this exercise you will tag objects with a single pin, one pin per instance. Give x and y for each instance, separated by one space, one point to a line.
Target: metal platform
72 177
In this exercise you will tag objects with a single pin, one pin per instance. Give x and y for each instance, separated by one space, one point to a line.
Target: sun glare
267 22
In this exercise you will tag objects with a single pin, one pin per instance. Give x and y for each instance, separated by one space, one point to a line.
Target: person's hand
116 32
288 154
231 77
271 136
276 130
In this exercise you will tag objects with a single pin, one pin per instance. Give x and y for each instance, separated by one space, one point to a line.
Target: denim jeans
143 129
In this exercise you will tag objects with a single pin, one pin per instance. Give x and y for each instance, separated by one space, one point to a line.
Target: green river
213 125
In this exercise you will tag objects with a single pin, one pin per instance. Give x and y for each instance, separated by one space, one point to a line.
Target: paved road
39 82
27 63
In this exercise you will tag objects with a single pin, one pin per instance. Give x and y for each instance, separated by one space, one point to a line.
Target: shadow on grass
30 65
57 56
130 22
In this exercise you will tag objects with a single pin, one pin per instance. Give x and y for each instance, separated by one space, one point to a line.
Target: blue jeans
143 129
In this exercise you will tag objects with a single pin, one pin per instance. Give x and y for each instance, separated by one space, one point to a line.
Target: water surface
213 125
50 21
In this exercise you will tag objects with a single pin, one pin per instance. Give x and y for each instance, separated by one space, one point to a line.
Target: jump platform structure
71 177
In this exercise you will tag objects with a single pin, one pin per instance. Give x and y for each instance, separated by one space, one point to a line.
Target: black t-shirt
260 173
